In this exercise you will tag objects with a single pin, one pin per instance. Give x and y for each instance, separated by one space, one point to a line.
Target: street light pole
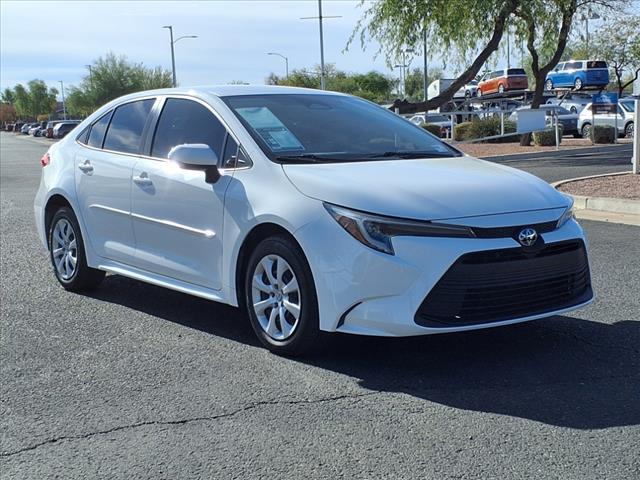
90 75
286 62
64 107
320 17
424 74
173 55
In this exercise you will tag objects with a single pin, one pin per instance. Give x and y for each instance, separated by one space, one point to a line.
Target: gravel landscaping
625 186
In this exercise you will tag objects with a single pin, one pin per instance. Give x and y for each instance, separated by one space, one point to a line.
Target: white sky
54 40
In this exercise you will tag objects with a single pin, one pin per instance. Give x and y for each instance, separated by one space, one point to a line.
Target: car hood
425 189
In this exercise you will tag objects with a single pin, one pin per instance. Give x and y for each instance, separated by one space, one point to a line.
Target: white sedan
311 210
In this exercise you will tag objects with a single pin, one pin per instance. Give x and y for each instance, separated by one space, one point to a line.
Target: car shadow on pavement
561 371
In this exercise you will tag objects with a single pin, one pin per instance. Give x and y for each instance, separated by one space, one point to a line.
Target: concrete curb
567 152
629 208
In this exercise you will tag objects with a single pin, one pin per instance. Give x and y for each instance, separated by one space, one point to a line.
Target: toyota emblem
527 237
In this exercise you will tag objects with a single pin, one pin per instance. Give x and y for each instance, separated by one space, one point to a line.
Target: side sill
161 280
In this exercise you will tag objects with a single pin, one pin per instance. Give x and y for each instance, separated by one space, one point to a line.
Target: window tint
185 121
560 66
516 71
573 66
597 64
497 74
230 153
127 124
98 129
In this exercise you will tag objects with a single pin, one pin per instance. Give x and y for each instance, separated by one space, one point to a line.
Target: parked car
574 102
17 127
64 127
49 128
623 119
500 81
442 121
9 127
396 232
33 129
578 74
568 120
468 91
26 127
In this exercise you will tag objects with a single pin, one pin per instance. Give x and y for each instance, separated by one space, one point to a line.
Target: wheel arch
53 204
251 240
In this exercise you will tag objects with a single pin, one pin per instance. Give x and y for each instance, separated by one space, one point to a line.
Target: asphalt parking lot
133 381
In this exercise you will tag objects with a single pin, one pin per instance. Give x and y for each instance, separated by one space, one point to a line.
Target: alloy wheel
276 297
577 84
629 131
549 85
64 249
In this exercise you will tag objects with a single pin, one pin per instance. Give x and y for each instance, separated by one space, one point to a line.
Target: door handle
143 180
86 167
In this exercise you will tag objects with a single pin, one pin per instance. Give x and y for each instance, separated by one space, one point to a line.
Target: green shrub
430 127
547 138
461 131
604 134
489 127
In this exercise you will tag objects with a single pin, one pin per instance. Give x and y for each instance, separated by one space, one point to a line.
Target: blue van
578 74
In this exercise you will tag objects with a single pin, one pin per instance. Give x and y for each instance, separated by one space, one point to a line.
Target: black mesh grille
498 285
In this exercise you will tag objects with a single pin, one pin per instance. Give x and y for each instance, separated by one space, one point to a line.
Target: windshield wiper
410 154
309 158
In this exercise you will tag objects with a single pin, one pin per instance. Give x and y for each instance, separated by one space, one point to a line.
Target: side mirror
197 156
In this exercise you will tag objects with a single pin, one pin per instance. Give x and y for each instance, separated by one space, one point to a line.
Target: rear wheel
66 249
577 84
501 88
479 93
548 85
280 297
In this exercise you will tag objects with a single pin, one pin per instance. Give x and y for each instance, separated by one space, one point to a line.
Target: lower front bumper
362 291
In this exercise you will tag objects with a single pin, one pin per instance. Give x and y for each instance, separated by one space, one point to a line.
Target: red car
503 80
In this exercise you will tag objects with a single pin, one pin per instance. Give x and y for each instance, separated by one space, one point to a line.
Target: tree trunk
470 73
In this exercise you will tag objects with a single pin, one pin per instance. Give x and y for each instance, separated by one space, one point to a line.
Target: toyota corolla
311 210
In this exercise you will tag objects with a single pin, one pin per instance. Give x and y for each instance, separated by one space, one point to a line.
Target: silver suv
623 119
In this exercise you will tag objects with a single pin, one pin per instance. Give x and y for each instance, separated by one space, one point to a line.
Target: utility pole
425 80
586 17
173 55
403 70
320 17
286 62
508 46
64 107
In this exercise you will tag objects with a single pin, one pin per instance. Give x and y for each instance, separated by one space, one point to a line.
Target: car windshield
316 128
629 106
438 118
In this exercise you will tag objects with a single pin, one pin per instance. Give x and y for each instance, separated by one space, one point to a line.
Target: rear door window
596 64
185 121
573 66
125 130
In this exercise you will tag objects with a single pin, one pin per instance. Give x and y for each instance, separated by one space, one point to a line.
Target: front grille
498 285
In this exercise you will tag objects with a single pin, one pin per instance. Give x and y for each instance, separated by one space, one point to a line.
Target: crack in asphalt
246 408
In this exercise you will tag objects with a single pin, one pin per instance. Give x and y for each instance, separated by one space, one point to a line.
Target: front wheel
501 88
280 297
629 130
548 85
66 249
586 131
577 85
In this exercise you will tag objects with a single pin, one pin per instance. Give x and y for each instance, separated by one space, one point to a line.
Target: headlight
375 231
568 214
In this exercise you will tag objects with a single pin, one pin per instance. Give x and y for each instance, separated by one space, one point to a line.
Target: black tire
501 88
573 110
577 84
303 339
629 130
586 130
84 278
548 85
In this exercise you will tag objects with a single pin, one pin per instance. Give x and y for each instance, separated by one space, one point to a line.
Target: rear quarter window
596 64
